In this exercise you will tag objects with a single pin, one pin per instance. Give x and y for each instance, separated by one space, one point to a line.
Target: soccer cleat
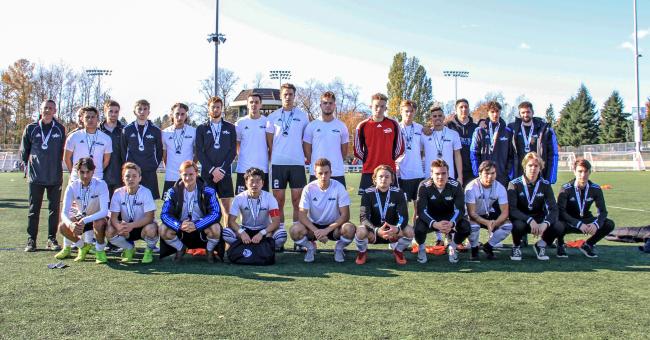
540 252
127 255
453 255
489 251
515 255
52 244
399 257
362 256
179 254
83 252
422 254
309 253
148 255
210 256
561 251
31 245
474 254
63 254
100 257
339 256
588 250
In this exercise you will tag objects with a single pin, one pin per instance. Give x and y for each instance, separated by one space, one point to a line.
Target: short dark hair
131 166
255 94
251 172
486 165
439 163
436 108
461 100
215 99
180 105
287 86
583 163
323 162
380 168
525 105
142 102
85 161
110 103
493 106
328 94
88 109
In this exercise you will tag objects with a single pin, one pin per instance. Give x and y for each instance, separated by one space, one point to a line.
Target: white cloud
524 46
627 45
642 33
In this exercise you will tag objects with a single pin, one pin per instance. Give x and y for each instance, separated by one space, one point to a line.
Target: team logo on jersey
315 199
336 131
541 194
388 130
37 135
589 199
132 135
245 127
317 130
503 138
448 198
331 199
149 136
226 132
247 253
262 127
56 135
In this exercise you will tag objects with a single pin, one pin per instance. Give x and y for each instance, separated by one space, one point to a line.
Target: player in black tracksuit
543 141
42 153
532 208
501 152
440 201
113 172
574 202
149 157
220 159
466 132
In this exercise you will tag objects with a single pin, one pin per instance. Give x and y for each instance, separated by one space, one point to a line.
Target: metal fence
613 147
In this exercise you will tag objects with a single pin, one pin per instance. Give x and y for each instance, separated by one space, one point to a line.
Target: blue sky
158 51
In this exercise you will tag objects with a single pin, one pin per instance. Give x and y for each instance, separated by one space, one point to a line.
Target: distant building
270 101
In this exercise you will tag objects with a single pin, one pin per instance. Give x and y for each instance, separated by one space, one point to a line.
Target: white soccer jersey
324 205
251 134
287 128
254 211
483 198
449 140
93 145
411 165
179 145
132 207
91 201
326 139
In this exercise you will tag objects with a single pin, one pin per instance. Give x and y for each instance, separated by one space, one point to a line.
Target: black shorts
150 181
241 184
292 174
340 179
223 187
88 226
365 183
135 234
330 236
410 187
112 188
193 240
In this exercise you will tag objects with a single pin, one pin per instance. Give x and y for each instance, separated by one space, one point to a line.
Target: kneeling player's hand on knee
245 238
321 235
257 238
78 227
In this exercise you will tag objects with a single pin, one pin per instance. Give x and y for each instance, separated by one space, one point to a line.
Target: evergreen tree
550 115
407 79
577 125
613 122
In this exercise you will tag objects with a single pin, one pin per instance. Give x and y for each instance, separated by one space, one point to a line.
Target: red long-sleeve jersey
377 143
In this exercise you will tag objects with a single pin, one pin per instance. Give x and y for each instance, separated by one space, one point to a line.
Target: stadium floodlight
456 75
280 75
98 73
218 39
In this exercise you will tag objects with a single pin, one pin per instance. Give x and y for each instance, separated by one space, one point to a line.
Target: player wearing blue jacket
493 143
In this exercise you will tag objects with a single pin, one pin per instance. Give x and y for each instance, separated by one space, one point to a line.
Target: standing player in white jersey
252 146
132 216
178 144
410 166
487 207
260 216
88 219
324 214
323 135
284 134
443 143
88 142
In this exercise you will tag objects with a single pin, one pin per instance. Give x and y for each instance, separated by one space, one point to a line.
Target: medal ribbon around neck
90 142
286 122
527 138
130 204
85 196
409 136
178 140
494 134
216 133
581 203
439 142
383 209
45 139
141 138
530 199
486 198
258 206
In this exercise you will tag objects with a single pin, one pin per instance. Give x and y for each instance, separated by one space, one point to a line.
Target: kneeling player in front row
532 208
259 211
324 214
440 207
190 215
90 195
383 223
487 207
132 216
574 203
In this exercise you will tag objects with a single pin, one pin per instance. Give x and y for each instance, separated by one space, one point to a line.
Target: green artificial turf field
562 298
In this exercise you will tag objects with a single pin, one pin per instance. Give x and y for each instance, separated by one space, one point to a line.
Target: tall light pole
637 117
280 75
456 75
98 73
216 38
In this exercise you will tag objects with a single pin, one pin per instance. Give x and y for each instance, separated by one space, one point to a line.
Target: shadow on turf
13 203
290 266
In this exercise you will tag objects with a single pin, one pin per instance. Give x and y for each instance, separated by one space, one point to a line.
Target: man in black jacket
216 148
142 145
534 134
113 128
441 206
42 153
462 123
494 143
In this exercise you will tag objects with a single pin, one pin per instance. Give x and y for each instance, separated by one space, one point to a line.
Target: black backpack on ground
261 254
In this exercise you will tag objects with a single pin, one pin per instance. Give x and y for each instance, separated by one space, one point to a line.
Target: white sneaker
453 255
422 254
309 254
540 252
339 256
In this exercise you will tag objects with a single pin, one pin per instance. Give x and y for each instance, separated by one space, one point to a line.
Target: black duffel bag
261 254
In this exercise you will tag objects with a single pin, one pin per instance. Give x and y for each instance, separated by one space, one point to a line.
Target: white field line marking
622 208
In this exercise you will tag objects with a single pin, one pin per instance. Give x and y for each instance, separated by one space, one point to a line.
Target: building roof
267 94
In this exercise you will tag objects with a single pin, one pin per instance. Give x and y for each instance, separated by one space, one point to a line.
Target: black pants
461 231
36 192
521 228
603 231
